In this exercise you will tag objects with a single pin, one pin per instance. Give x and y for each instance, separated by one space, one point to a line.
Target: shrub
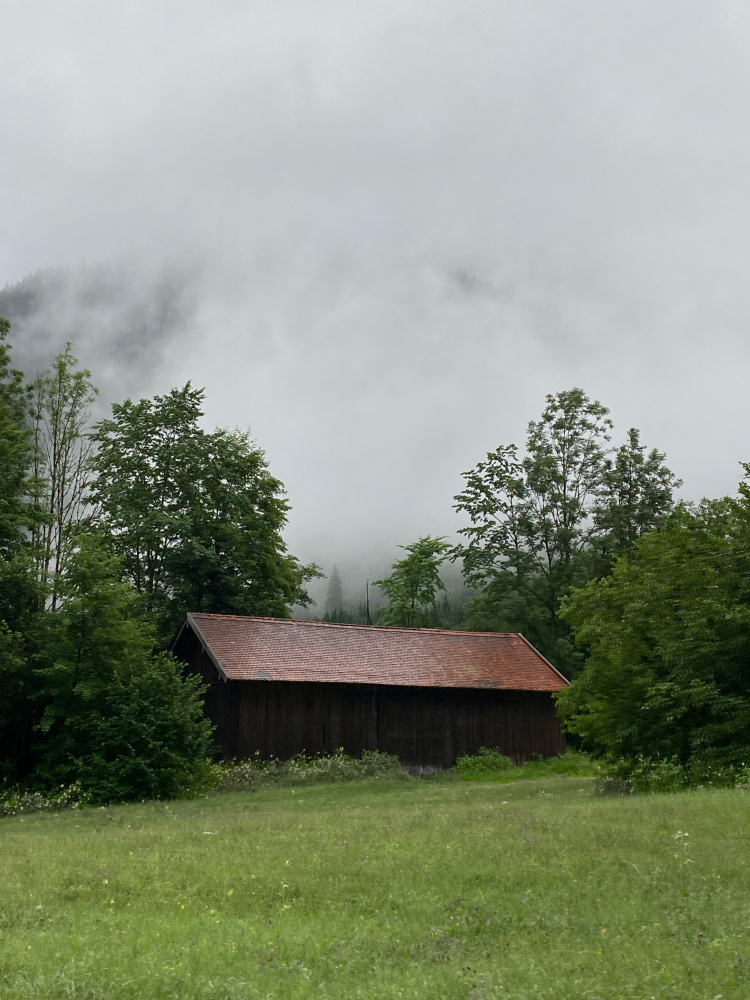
14 802
485 761
300 770
669 774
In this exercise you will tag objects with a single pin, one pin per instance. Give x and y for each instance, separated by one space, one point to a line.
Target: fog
379 234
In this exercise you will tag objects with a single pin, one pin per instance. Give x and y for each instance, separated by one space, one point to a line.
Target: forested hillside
120 317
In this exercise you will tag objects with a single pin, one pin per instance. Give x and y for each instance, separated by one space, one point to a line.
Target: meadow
379 889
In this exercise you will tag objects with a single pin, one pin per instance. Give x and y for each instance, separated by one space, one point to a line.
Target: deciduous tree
635 496
413 584
119 717
669 639
547 520
196 517
62 397
16 453
21 597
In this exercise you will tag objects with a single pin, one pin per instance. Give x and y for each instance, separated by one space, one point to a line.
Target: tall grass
377 889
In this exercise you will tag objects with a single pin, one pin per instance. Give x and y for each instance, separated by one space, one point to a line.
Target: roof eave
190 620
541 657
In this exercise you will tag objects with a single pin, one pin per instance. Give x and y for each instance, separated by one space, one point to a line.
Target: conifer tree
335 594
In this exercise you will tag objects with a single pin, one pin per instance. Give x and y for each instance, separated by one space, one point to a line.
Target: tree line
110 532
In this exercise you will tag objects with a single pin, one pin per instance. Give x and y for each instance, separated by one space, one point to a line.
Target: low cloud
378 236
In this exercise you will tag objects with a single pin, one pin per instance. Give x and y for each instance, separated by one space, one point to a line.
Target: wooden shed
279 687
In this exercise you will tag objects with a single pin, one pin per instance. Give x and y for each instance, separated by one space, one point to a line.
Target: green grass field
429 889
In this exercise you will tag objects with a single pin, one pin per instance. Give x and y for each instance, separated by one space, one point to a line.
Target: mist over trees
121 316
579 545
335 593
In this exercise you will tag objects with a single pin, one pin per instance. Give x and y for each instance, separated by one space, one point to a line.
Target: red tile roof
277 649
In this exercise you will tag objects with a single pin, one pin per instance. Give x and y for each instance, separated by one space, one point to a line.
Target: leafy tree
549 520
335 594
233 558
21 603
15 453
62 399
20 595
669 639
119 718
196 517
413 584
636 494
147 470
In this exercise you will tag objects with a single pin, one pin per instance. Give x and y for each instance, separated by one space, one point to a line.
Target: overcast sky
323 171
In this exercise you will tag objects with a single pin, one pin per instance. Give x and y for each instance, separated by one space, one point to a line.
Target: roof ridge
351 625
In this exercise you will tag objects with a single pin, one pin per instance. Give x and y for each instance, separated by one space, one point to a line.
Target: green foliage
413 584
19 709
301 771
669 774
18 802
492 765
485 761
532 515
449 610
16 514
546 522
348 616
635 495
196 518
669 639
21 596
147 470
119 718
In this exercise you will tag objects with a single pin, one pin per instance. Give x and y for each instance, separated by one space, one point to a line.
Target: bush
647 775
485 761
15 802
298 771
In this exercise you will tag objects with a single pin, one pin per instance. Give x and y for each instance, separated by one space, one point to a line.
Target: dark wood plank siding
421 725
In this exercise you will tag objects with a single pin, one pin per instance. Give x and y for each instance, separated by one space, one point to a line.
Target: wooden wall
429 726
